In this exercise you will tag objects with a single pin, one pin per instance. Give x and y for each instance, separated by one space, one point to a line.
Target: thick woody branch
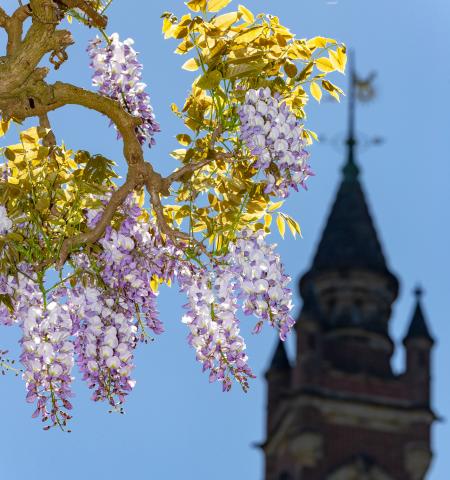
65 94
116 200
14 28
46 98
4 17
39 40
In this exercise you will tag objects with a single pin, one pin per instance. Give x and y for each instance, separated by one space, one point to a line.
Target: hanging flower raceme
118 75
214 327
47 350
274 135
105 343
263 285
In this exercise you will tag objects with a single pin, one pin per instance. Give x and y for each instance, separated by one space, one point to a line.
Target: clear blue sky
177 425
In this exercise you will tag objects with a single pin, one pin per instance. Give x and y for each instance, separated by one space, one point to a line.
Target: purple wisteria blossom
214 327
274 135
97 316
47 349
252 274
118 75
263 285
132 258
105 343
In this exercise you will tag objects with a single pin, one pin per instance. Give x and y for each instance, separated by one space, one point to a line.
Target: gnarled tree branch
24 94
14 28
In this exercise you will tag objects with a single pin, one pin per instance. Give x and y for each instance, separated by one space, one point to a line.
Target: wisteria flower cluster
262 283
250 273
97 320
214 326
118 75
105 342
273 135
47 349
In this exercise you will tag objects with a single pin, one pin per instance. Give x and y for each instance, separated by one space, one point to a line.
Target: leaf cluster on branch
242 151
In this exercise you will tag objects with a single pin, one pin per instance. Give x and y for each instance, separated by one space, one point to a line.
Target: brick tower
341 413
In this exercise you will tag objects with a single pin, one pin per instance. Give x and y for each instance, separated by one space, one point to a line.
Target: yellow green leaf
13 181
315 90
191 65
317 42
167 24
216 5
178 154
290 69
154 284
247 15
184 139
332 89
294 227
324 65
179 32
313 135
4 125
338 59
196 5
209 80
306 72
281 225
299 51
275 206
249 35
267 220
224 22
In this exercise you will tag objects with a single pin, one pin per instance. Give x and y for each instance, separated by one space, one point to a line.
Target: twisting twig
212 156
191 168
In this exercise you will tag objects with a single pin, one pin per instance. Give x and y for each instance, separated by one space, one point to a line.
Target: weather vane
362 90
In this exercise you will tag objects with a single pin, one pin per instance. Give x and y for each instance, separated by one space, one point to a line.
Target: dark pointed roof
349 239
418 327
280 360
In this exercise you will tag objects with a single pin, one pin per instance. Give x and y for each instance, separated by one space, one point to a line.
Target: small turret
278 381
418 343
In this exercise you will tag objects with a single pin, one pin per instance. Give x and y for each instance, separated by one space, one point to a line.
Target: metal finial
418 292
